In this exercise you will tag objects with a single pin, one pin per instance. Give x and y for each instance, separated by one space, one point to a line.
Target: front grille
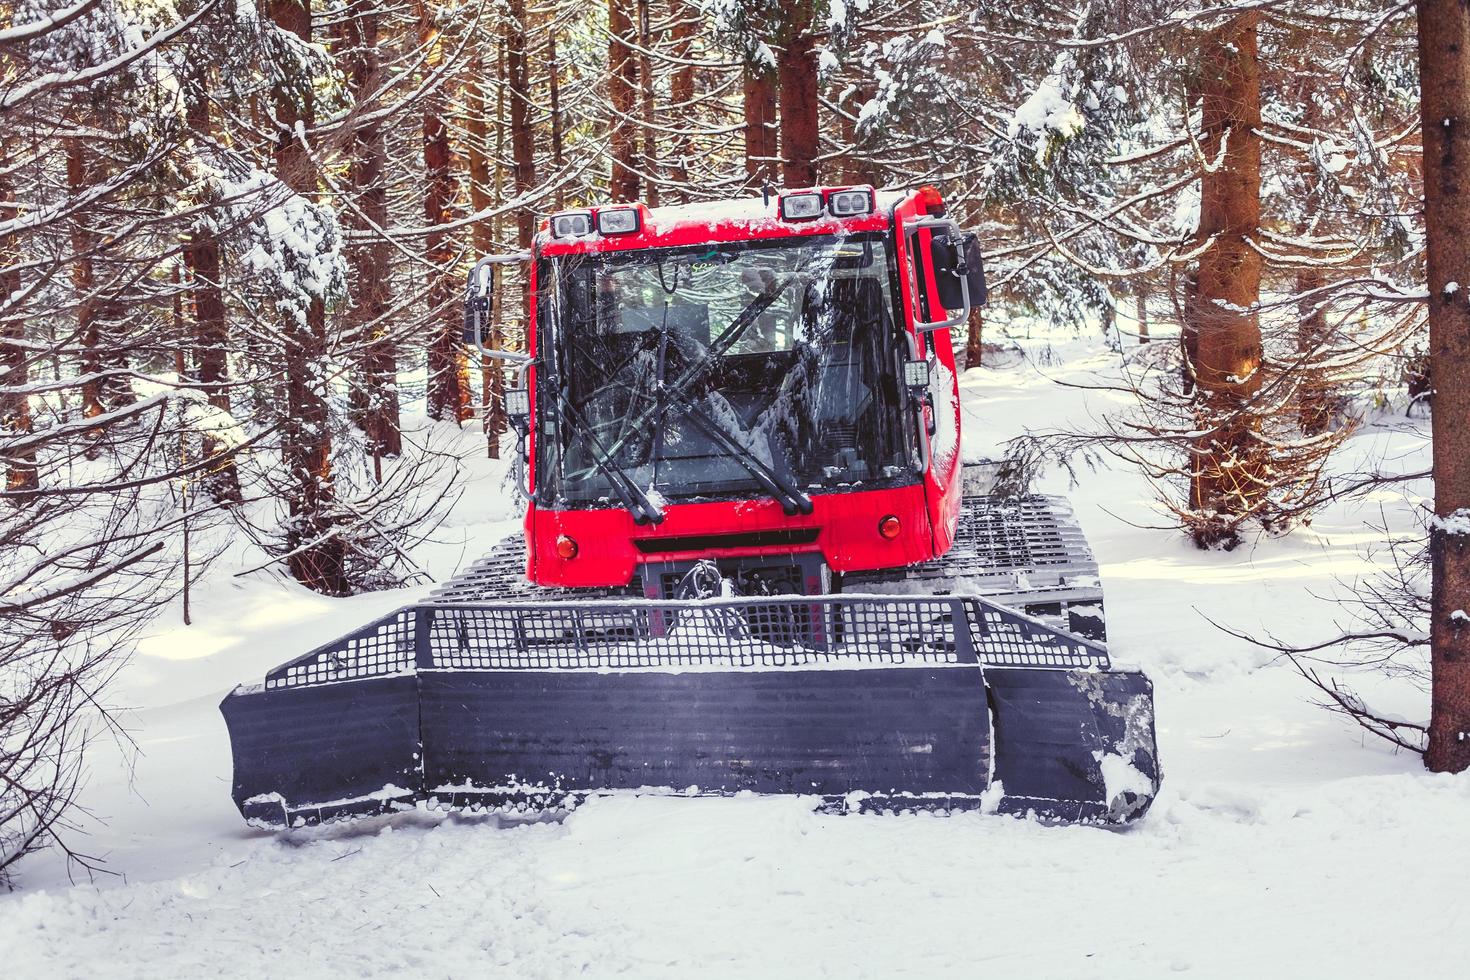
742 539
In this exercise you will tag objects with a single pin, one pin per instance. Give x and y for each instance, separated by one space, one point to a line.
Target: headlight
845 204
618 221
571 224
801 207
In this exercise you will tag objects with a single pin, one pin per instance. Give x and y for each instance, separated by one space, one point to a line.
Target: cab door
937 285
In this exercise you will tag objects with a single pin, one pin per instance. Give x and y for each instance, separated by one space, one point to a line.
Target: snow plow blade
862 702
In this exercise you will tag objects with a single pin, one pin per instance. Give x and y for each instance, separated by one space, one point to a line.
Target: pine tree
1444 70
1222 335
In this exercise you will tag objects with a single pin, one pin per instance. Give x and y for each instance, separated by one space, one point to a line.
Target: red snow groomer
753 560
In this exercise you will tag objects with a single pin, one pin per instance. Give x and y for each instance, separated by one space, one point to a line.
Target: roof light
932 200
846 204
801 207
571 224
618 221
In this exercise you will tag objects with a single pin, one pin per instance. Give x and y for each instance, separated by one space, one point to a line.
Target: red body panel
846 524
846 527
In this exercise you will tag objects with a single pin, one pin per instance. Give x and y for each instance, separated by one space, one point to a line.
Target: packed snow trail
1295 884
1283 844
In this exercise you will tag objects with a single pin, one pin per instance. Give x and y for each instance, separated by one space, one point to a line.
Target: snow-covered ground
1284 844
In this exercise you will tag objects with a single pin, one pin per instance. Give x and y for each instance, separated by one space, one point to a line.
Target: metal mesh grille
793 631
383 647
784 632
1008 640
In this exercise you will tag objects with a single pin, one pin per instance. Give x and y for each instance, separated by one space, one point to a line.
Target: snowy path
1282 845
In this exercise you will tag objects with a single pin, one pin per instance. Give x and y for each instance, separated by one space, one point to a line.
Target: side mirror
959 266
949 283
477 293
943 271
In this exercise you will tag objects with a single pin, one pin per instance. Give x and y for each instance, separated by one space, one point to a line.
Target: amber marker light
889 527
566 547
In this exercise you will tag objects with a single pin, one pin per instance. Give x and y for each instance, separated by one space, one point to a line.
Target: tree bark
374 387
760 126
493 377
210 328
681 97
483 238
856 169
522 135
621 82
84 278
318 555
797 67
1444 73
1140 314
1314 395
449 372
1221 311
15 405
974 347
553 75
646 111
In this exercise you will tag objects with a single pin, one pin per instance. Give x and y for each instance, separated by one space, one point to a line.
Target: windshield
770 367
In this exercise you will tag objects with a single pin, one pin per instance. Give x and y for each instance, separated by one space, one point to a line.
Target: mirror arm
477 300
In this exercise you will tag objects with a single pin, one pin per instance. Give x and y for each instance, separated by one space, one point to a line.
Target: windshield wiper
787 494
632 495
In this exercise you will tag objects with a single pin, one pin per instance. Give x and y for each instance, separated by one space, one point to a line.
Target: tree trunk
797 68
522 135
318 555
84 278
553 74
15 405
856 169
621 81
449 372
374 385
1228 463
484 242
100 319
1140 314
760 127
210 329
645 95
494 379
1444 73
681 98
974 351
1314 395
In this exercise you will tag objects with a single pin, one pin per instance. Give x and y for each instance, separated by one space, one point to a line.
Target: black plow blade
875 703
